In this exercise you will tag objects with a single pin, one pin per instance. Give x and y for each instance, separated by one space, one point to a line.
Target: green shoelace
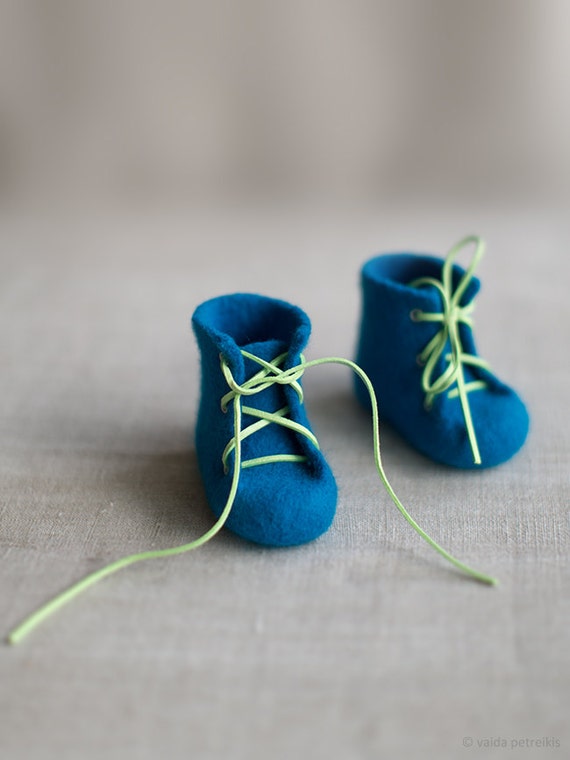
269 374
451 316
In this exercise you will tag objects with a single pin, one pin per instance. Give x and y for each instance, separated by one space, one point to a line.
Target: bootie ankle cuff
416 344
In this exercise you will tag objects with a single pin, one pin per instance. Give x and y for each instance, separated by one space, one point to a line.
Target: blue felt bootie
251 409
417 347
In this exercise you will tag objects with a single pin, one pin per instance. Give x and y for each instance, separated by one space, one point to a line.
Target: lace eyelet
415 315
419 361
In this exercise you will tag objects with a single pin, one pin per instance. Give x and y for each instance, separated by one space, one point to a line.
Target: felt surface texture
390 342
279 503
361 644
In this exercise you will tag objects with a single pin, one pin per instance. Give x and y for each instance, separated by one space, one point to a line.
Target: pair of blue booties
416 364
417 367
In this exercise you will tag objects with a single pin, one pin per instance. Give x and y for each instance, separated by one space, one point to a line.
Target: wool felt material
280 503
389 343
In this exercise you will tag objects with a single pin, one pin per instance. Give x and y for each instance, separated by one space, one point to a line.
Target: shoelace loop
270 373
452 315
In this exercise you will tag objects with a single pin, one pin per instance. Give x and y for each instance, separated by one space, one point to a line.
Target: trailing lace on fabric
269 374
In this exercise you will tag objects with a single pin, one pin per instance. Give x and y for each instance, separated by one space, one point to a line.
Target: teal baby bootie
416 344
252 432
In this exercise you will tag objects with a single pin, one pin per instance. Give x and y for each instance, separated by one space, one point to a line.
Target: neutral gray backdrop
350 97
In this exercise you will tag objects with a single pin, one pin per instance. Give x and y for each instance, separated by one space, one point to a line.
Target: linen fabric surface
361 644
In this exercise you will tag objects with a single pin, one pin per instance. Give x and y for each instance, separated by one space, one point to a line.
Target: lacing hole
419 361
427 405
224 408
415 315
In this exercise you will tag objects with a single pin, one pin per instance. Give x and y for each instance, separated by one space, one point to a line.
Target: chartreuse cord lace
451 316
269 374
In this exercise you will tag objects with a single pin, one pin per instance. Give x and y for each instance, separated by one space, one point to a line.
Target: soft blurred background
114 101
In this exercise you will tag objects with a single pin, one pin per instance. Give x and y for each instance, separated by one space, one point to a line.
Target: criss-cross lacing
452 315
270 374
